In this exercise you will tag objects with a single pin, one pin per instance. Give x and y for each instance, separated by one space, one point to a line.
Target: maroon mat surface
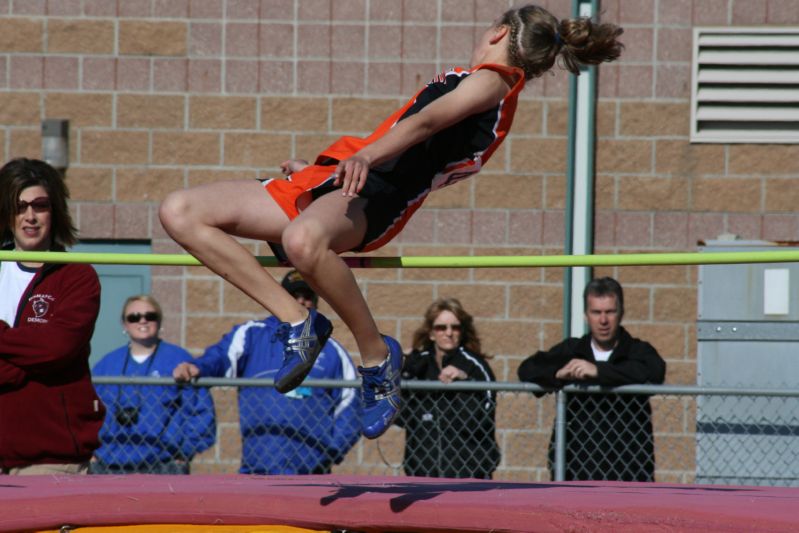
373 504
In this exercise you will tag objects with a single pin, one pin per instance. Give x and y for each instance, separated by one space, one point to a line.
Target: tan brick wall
166 95
150 111
21 35
91 37
149 37
222 112
18 109
81 109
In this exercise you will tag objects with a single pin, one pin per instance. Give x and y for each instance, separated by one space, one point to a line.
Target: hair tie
558 40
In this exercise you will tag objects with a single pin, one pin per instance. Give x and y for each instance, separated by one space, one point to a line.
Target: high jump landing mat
236 503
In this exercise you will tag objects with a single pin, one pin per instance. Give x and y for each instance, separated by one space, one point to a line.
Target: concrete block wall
165 94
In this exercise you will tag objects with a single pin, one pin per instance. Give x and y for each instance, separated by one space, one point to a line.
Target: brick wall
164 94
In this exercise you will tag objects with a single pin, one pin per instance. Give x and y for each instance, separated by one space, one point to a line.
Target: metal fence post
560 435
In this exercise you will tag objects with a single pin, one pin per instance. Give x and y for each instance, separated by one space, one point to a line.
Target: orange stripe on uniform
286 192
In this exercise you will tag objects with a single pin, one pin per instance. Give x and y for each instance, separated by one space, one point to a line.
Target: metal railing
680 434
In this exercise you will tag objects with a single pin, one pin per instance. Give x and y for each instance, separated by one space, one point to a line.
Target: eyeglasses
39 205
150 316
456 328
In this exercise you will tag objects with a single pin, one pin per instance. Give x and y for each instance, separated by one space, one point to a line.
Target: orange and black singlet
396 189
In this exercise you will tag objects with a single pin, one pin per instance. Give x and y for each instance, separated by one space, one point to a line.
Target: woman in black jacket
448 433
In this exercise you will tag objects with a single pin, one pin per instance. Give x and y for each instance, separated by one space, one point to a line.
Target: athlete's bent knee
174 212
303 246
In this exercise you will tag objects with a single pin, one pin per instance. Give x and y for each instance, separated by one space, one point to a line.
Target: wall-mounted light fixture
55 142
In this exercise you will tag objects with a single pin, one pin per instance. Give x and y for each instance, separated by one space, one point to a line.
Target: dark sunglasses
150 316
39 205
443 327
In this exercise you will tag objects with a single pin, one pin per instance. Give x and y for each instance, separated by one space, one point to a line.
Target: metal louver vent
745 85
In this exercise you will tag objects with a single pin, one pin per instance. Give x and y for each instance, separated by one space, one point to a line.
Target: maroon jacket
49 411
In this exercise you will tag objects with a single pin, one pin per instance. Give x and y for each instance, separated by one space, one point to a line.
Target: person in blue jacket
149 429
305 431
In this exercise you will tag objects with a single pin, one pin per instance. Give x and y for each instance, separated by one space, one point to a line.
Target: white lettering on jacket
41 306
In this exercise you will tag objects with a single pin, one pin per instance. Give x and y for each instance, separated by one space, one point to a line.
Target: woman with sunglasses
49 411
448 433
150 429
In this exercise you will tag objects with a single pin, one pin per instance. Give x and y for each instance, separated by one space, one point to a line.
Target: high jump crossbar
495 261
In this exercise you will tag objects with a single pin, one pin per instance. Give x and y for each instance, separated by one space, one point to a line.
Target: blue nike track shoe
301 347
380 392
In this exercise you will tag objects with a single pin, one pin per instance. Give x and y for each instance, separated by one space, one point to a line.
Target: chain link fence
504 431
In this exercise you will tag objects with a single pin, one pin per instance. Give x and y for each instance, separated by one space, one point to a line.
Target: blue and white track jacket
304 431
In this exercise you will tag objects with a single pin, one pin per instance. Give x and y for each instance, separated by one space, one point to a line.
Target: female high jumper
360 192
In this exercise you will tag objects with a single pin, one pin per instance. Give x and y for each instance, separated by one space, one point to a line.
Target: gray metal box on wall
747 336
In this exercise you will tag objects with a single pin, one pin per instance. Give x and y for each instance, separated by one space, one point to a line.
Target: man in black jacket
608 436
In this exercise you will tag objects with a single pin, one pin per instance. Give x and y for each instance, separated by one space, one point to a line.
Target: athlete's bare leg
203 219
334 223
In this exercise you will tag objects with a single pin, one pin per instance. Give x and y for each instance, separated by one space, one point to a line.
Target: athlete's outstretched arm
479 92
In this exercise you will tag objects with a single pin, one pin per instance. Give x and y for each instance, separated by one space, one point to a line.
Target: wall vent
745 85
